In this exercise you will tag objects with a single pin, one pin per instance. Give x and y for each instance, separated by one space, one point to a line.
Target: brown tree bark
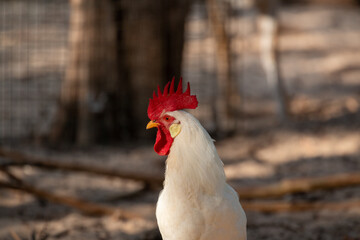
269 53
91 72
120 50
152 35
228 97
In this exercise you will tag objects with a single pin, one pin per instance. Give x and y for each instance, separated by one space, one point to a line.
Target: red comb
170 100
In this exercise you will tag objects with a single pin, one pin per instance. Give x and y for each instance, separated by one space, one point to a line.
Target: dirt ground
322 64
251 159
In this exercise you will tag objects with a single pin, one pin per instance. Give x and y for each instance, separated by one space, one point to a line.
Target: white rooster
196 202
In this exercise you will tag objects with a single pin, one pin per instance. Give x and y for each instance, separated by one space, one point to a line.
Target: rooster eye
167 118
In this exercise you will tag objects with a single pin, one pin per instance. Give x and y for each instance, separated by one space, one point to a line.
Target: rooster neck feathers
196 202
193 163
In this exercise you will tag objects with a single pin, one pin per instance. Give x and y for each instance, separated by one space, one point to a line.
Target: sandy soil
251 159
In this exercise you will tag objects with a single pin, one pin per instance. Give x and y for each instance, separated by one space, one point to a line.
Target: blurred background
278 84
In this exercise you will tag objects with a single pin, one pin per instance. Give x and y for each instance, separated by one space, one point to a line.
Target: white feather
196 202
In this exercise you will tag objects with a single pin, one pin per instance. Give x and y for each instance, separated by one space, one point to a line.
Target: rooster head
158 111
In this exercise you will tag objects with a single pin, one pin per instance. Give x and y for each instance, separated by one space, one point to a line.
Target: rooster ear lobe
174 130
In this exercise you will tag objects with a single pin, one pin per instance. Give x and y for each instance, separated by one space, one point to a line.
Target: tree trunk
119 51
91 72
268 27
153 38
228 97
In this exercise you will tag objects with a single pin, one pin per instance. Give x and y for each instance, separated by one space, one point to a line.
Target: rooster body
196 202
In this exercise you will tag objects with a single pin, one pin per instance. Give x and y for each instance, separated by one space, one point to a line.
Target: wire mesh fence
33 53
34 56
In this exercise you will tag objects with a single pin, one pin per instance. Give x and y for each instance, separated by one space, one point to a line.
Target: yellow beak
152 124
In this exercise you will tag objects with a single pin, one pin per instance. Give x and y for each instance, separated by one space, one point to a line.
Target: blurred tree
227 101
91 72
119 51
152 38
268 27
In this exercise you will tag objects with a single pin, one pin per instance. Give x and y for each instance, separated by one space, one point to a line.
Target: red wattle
163 141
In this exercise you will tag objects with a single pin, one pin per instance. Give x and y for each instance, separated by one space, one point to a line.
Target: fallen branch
85 207
81 205
20 158
280 206
127 196
291 186
14 235
274 190
101 210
